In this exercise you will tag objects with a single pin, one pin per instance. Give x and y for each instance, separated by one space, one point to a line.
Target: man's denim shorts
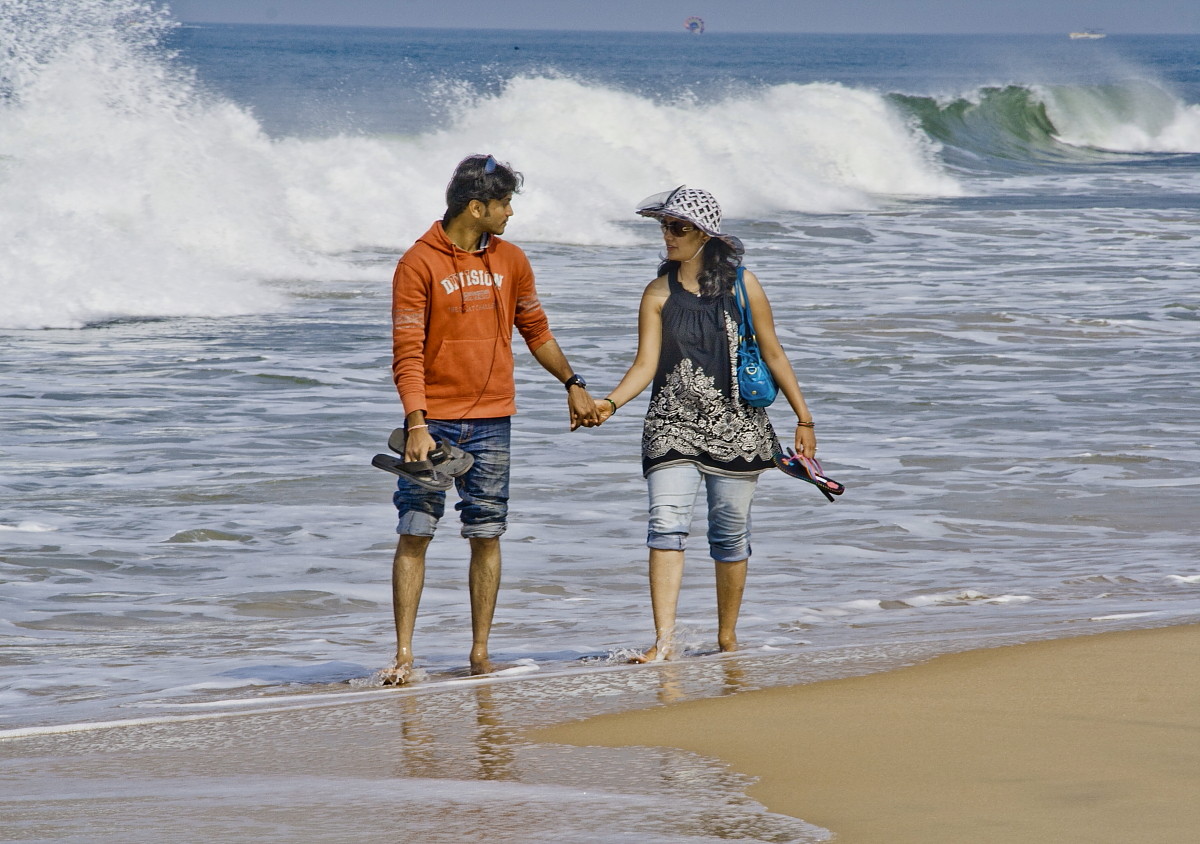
482 491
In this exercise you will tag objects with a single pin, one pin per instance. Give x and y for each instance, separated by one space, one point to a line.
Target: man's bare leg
731 583
408 581
666 576
484 580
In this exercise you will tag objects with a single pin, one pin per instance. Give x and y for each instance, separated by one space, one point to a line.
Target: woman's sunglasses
676 227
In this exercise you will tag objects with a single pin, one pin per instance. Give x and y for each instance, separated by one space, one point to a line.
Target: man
456 296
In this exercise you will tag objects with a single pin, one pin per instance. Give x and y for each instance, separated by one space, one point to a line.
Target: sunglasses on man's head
676 227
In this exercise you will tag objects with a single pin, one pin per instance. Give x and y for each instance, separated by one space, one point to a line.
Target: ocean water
982 256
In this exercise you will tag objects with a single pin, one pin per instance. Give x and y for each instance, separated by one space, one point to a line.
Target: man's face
495 215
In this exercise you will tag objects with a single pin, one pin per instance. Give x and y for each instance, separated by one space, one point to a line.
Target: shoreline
1089 738
428 761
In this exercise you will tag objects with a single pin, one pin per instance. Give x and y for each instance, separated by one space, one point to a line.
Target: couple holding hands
457 294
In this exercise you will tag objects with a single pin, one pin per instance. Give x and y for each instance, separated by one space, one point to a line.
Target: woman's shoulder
660 288
754 287
748 274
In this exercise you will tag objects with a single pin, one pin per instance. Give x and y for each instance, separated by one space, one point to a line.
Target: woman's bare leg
731 583
666 576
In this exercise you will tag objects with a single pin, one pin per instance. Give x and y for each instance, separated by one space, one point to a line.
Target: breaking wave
1023 127
130 192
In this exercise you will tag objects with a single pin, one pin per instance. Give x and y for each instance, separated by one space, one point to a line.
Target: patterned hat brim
655 208
732 242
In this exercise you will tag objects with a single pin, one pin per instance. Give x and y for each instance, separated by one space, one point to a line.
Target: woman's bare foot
660 652
641 659
727 644
397 674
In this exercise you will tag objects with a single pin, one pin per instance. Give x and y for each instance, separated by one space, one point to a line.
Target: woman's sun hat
698 207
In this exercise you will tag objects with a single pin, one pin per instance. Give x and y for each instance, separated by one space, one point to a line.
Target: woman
697 428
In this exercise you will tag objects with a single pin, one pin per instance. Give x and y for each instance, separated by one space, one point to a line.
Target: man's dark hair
479 177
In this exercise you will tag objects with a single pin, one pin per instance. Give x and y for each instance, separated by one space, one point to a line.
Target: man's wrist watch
573 380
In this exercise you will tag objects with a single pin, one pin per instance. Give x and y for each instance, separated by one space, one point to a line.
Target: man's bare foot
727 644
397 674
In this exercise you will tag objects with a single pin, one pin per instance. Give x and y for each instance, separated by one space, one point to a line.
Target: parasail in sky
694 25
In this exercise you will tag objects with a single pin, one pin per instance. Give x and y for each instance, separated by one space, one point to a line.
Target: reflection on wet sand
493 739
673 677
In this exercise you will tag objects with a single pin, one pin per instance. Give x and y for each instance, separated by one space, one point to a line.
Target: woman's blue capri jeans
673 490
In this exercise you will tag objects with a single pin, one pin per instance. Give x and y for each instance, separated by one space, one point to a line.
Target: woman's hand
600 410
606 408
806 441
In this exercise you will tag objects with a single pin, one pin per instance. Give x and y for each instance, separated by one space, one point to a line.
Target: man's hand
418 445
582 408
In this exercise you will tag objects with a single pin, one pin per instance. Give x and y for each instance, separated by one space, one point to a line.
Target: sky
867 16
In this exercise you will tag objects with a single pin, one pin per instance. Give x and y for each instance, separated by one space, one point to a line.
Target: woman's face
683 240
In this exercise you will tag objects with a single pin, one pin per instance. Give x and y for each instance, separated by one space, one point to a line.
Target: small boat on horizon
1087 34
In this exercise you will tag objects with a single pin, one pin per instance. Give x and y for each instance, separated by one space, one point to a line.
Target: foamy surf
131 192
1137 116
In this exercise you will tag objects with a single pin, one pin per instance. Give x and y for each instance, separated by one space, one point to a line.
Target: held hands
597 413
582 408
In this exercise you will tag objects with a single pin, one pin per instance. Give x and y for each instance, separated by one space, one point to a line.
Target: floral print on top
696 414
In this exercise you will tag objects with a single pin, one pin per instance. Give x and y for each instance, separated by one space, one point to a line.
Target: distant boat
1087 34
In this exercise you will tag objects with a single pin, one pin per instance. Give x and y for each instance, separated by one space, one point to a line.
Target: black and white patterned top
696 414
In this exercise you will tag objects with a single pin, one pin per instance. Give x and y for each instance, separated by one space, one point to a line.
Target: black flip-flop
808 469
420 472
447 458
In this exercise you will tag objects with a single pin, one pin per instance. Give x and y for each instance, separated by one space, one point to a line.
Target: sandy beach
1088 739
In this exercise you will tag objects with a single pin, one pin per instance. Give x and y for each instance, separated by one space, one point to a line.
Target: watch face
576 379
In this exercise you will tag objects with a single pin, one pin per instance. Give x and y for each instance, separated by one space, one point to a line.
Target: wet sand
1091 739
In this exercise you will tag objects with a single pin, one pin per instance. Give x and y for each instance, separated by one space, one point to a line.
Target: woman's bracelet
808 424
415 427
613 403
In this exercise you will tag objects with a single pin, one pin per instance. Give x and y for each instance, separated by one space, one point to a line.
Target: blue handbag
755 383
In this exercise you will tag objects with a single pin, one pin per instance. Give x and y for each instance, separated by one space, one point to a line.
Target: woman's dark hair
479 177
718 270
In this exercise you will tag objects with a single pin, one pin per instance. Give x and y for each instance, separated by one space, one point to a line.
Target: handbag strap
745 318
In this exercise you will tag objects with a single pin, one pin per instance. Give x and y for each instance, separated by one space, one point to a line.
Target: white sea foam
123 194
963 597
1123 616
28 527
1133 117
594 150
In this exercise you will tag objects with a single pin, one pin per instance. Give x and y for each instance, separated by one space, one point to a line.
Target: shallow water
193 513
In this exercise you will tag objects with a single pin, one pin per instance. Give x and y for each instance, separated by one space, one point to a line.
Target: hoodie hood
437 239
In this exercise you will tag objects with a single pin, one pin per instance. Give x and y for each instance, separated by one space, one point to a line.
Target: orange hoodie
452 318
